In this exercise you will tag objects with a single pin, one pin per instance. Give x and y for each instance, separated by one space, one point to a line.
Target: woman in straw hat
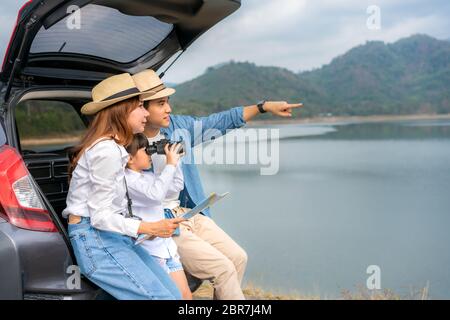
101 226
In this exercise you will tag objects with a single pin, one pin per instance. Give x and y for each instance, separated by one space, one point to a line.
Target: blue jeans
115 264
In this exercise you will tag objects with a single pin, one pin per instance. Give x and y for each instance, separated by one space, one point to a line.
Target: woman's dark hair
139 141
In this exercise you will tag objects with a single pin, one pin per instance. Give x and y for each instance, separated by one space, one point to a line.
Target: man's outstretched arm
230 119
278 108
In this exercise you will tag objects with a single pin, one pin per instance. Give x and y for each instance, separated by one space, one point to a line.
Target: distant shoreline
344 119
313 120
50 141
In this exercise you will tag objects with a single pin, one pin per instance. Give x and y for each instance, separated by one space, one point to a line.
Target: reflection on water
431 123
293 132
344 199
436 129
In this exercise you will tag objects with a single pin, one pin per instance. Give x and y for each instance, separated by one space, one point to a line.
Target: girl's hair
139 141
110 122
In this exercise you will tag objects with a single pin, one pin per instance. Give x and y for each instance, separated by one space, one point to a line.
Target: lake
346 196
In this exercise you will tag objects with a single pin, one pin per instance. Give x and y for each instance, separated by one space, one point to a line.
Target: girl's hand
172 153
162 228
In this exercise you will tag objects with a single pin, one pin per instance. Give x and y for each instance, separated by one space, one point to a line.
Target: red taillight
19 199
14 31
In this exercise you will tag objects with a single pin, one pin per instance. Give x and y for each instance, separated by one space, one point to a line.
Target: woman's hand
172 153
163 228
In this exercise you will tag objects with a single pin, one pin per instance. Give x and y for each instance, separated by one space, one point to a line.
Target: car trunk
60 45
46 156
59 49
55 42
54 58
41 257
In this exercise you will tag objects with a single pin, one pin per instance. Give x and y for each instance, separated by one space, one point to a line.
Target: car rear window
47 126
102 32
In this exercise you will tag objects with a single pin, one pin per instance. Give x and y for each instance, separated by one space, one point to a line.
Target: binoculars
158 147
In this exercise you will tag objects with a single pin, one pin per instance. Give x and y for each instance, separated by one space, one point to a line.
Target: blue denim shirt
192 131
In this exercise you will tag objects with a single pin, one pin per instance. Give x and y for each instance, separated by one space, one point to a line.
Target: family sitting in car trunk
121 189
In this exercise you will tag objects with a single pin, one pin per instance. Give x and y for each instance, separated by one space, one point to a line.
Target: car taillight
19 199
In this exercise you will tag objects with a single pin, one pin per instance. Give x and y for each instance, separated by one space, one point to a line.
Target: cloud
294 34
301 35
8 16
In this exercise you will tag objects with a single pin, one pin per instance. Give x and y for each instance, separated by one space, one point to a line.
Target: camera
158 146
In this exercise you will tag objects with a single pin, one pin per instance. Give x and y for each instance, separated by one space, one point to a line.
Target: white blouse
159 161
97 189
147 192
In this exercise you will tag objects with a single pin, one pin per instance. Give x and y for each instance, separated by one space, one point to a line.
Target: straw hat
110 91
148 81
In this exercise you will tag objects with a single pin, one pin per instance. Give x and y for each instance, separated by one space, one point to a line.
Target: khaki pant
208 253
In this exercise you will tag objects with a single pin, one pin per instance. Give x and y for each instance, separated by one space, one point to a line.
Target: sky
295 34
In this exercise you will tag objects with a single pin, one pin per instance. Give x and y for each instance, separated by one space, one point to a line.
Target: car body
58 51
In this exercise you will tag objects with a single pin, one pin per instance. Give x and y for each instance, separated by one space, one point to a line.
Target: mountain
409 76
239 84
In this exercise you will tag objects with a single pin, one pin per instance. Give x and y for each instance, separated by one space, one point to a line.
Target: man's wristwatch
260 106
